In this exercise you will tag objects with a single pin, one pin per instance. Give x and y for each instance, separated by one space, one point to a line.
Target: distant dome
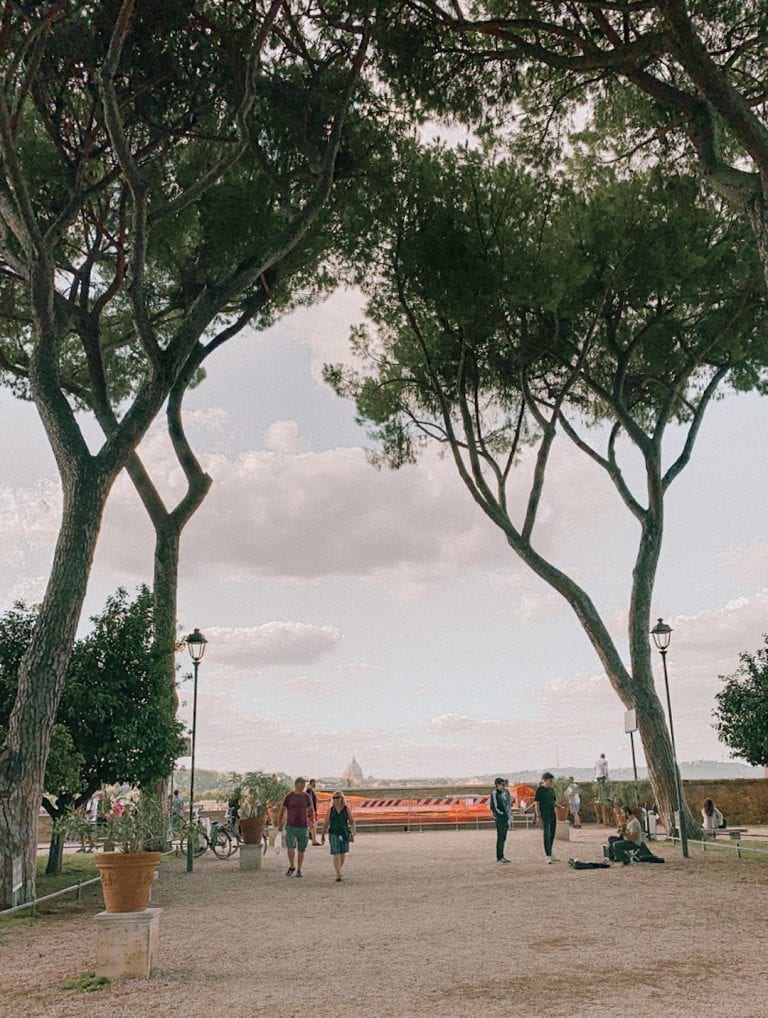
353 774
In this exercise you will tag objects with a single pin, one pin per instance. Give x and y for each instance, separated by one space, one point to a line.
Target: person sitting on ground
628 844
711 816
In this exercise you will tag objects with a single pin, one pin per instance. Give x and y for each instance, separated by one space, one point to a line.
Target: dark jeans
502 826
625 851
548 825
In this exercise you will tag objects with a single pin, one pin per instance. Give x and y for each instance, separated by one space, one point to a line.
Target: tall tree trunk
636 690
168 528
41 678
55 854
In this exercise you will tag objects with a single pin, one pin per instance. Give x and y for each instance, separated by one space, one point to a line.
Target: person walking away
574 802
711 817
311 791
93 812
295 815
340 827
545 813
601 776
500 803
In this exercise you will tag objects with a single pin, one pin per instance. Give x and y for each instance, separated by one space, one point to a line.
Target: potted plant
259 794
123 832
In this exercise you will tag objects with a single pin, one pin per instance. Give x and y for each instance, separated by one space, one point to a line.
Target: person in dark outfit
545 812
312 793
501 808
340 825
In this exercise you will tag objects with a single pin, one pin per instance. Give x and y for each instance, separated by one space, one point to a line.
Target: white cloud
568 721
29 589
283 436
325 327
274 643
311 515
452 723
29 519
747 562
208 419
304 687
308 516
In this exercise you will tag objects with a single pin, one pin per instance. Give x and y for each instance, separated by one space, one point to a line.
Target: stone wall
743 801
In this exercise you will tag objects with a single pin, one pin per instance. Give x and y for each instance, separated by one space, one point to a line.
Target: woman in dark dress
340 827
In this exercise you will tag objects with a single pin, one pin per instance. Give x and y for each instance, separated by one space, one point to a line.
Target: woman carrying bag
340 826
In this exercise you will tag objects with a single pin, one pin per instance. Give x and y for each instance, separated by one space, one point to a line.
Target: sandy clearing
425 924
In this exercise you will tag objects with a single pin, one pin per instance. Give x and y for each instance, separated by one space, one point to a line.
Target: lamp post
196 646
662 634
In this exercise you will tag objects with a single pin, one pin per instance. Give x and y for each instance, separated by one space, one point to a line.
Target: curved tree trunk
41 678
636 690
168 528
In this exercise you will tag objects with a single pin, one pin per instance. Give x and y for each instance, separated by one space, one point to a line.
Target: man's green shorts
296 837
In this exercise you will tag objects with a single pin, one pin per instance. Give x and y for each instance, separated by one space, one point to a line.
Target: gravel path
424 925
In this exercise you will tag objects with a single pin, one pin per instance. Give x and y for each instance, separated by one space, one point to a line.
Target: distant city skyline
377 614
697 770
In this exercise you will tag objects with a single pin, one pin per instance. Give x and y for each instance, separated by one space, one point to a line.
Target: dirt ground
429 925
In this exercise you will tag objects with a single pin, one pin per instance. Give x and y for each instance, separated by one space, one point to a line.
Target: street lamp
662 634
196 646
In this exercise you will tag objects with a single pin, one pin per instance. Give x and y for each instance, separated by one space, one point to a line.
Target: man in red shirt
296 814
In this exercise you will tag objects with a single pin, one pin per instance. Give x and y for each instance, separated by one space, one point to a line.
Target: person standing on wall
545 812
500 803
601 777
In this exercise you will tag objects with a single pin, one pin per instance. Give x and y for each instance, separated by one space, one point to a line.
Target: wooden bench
734 833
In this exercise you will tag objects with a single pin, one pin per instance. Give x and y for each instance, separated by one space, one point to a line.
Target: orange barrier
458 809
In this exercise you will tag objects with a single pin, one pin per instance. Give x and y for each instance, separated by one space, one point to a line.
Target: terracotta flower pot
126 879
252 830
561 811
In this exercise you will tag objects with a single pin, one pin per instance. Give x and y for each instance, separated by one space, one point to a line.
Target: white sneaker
551 859
502 860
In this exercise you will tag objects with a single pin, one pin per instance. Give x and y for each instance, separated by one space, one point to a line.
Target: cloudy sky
351 611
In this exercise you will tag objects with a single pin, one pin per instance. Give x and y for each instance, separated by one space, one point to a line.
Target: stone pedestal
562 831
126 943
251 857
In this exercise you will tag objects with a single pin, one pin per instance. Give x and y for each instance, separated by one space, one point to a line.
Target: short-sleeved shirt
633 830
546 799
298 805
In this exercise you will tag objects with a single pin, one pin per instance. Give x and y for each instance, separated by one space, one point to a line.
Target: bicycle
222 839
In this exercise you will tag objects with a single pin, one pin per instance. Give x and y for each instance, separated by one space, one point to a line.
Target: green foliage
133 828
259 791
181 89
115 722
742 708
495 288
88 982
